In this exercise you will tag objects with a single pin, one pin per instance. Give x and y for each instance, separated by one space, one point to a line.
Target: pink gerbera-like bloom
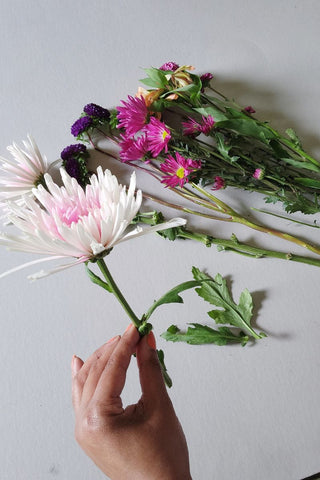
207 124
178 170
218 183
70 222
192 127
158 135
133 115
133 148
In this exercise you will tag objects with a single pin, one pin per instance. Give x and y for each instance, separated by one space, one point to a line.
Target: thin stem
300 152
235 246
183 209
107 275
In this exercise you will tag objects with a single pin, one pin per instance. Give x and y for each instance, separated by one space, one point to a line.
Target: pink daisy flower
218 183
133 148
191 127
178 170
207 124
133 115
158 136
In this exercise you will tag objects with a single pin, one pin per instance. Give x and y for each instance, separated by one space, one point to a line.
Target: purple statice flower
249 109
207 124
133 148
218 183
73 150
205 80
133 115
258 174
158 135
171 66
81 125
72 167
96 111
178 170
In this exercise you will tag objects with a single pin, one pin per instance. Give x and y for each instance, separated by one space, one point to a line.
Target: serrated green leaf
215 291
224 148
198 334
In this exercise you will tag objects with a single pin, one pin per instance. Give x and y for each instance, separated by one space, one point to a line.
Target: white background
248 413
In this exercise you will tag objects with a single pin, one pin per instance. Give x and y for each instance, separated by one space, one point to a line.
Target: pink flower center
75 211
71 215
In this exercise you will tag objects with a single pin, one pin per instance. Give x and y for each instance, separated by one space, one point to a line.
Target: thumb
151 378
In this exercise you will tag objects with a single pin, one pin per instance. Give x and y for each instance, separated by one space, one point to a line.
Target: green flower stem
232 244
115 290
235 217
277 233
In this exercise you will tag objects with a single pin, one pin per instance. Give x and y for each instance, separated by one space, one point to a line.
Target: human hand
144 441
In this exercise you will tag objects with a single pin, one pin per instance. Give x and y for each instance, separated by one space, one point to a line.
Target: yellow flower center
164 134
180 172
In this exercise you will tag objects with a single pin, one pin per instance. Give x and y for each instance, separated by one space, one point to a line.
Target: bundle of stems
194 141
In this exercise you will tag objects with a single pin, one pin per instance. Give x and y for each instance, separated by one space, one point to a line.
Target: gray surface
247 413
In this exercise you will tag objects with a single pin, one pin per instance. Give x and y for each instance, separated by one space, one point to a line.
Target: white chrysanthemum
22 173
70 222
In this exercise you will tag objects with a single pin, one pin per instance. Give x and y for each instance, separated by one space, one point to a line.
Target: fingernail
75 364
151 341
128 327
113 339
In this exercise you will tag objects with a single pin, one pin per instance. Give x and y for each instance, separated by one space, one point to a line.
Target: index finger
113 377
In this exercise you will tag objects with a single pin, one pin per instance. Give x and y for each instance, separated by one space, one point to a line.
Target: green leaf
164 370
97 280
214 112
215 291
199 334
172 296
308 182
299 164
156 78
248 127
193 89
294 137
224 148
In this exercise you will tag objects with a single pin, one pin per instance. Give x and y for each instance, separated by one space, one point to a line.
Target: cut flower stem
231 244
116 291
